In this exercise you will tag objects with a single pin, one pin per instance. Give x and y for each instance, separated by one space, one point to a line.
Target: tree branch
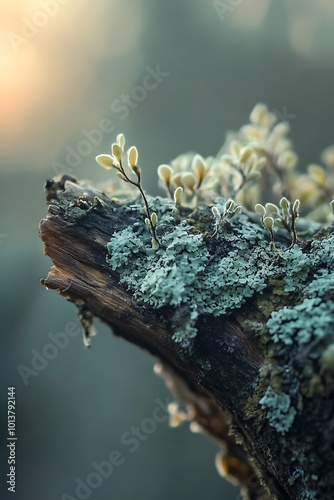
219 380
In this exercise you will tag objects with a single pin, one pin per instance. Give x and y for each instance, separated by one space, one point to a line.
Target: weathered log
222 377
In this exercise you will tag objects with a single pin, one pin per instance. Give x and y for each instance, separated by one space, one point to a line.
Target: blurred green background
73 75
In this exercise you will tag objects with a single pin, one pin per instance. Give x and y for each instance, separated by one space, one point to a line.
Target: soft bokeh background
65 66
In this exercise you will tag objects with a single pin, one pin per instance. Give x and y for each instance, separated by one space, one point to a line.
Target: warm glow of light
49 54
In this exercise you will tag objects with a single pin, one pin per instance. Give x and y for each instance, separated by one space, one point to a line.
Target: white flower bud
284 203
260 209
154 219
229 205
245 154
328 156
281 129
116 151
120 139
260 164
215 212
165 173
132 156
178 195
258 112
271 207
189 180
177 180
269 223
199 167
318 174
287 159
106 161
295 208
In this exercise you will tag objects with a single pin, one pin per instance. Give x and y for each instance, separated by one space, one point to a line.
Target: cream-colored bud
284 203
106 161
120 139
116 151
178 195
260 164
228 160
195 427
269 223
318 174
259 149
267 120
252 133
328 156
177 180
229 205
165 173
272 208
295 207
249 165
199 167
132 156
154 219
260 209
189 180
281 129
257 114
282 145
215 212
287 159
245 154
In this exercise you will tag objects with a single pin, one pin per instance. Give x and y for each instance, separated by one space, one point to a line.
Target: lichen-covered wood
256 370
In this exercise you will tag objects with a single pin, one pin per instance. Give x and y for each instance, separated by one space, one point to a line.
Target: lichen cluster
231 227
186 271
280 412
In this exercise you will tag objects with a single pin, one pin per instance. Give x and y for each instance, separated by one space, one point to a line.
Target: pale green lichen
280 412
313 318
185 271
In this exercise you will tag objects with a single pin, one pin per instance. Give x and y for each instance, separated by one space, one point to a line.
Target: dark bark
75 234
